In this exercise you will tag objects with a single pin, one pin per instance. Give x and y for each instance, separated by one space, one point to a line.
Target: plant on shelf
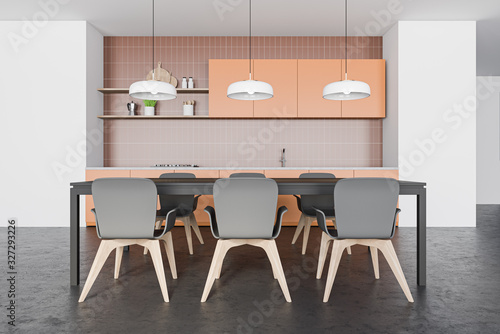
149 109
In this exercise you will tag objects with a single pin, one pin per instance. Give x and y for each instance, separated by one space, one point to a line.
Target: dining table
286 186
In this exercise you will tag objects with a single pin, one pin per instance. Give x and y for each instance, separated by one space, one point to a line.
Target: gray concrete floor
462 295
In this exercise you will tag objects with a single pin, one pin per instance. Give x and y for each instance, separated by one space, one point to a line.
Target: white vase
149 111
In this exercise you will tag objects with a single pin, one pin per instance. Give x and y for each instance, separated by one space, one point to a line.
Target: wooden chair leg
274 257
374 253
225 247
337 249
390 254
307 227
157 226
299 228
187 228
103 252
196 229
169 249
323 250
118 260
154 248
212 272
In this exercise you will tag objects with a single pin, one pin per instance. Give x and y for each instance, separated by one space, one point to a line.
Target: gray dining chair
185 205
125 211
247 175
244 214
366 212
306 205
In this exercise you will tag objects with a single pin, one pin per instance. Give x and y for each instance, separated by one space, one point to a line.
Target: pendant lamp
250 89
346 89
152 89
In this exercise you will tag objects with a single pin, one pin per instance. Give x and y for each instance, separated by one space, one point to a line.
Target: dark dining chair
247 175
185 205
245 214
365 212
306 205
125 211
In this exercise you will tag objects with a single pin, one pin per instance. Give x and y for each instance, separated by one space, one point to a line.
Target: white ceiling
270 18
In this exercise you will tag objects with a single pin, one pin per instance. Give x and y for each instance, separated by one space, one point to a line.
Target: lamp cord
250 40
345 39
153 56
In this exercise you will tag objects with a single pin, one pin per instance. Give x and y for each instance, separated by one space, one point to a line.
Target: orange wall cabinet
222 73
282 75
313 76
371 71
91 175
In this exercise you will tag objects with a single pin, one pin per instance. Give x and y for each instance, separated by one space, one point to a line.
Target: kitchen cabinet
313 76
371 71
392 173
282 75
222 73
298 88
91 175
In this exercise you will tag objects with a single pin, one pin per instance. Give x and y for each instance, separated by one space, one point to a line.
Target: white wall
437 119
488 140
95 73
390 122
43 128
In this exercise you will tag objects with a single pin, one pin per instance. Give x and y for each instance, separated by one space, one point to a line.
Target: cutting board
162 74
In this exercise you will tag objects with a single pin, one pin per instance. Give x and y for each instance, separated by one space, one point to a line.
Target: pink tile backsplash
229 142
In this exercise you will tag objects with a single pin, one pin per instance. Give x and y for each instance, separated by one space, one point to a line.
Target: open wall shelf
179 90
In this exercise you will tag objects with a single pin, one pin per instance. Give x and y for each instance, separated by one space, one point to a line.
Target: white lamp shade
346 90
152 90
250 90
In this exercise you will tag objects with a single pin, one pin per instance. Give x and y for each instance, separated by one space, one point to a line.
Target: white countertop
243 168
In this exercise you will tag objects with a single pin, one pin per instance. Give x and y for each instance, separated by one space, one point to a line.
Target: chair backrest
322 202
245 207
125 207
365 208
184 203
247 175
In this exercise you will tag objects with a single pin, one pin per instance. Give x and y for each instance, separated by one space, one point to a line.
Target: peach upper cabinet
313 76
282 75
371 71
222 73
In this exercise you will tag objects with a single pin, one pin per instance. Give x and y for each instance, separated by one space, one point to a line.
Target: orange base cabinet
91 175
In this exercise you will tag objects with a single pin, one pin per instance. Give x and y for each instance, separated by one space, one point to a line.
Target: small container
184 83
190 83
149 111
188 109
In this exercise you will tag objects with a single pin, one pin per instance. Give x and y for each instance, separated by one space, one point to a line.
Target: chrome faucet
283 160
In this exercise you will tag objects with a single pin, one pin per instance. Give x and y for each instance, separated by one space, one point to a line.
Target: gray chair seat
245 214
366 214
125 211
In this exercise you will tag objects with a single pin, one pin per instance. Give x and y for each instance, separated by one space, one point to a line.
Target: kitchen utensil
160 74
132 107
